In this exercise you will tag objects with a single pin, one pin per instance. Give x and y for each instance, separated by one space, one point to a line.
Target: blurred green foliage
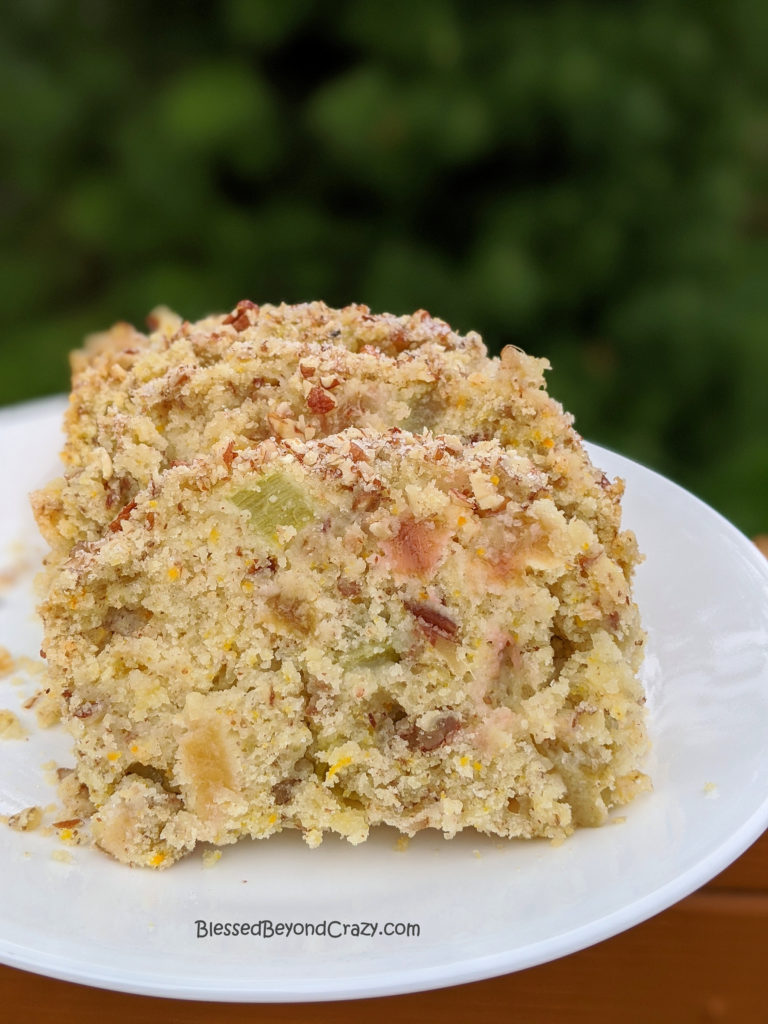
586 180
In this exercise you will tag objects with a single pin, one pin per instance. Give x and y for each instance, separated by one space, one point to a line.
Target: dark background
588 181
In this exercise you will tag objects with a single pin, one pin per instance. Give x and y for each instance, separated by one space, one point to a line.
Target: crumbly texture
142 403
27 820
10 726
334 632
7 663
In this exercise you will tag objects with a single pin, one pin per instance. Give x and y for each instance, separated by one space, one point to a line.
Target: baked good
335 632
325 569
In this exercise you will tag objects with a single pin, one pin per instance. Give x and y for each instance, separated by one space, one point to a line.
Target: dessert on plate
405 600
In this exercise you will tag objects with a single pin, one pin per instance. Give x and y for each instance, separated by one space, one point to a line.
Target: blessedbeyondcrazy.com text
266 928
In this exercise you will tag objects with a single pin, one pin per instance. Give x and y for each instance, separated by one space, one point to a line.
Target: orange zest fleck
341 763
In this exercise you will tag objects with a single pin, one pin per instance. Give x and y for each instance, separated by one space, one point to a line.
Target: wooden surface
705 959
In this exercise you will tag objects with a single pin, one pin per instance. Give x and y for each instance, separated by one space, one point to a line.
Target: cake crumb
402 844
63 856
476 853
32 666
620 820
7 664
710 791
211 858
27 820
47 712
10 727
11 575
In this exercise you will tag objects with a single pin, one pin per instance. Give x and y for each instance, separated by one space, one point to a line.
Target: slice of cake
329 633
141 403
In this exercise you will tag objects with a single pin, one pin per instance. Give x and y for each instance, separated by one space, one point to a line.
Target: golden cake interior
329 633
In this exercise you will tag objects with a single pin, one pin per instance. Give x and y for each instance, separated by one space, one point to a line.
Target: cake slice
330 633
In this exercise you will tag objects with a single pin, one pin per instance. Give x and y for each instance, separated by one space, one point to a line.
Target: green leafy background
588 181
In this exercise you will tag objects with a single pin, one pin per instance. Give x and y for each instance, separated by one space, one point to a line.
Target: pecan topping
433 623
348 588
240 319
229 454
87 709
356 453
69 823
320 401
283 791
416 548
116 523
430 739
399 340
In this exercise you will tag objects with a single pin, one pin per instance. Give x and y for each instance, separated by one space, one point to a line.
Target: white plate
483 907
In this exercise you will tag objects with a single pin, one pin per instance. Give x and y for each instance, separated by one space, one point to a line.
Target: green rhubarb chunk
369 655
275 500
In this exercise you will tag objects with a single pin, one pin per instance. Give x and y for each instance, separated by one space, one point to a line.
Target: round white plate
480 907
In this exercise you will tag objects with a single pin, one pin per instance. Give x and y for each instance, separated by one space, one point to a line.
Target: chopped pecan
348 588
320 401
283 791
297 615
306 371
584 561
88 708
417 547
356 453
239 318
117 491
116 523
399 339
613 619
69 823
430 739
434 624
229 454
